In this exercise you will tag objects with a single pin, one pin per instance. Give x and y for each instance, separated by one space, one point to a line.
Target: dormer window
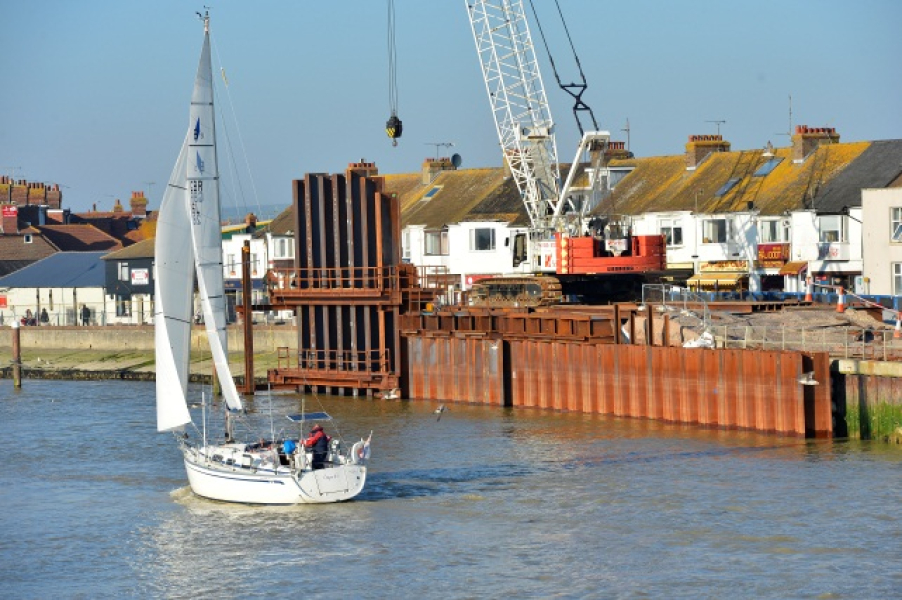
28 238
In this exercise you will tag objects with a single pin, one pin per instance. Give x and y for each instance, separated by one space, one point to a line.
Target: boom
519 105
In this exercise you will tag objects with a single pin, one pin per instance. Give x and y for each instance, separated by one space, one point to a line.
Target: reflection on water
485 502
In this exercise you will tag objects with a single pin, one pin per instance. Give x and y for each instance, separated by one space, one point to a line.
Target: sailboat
188 245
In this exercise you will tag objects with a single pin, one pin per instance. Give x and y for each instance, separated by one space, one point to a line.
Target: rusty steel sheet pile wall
458 369
345 288
531 361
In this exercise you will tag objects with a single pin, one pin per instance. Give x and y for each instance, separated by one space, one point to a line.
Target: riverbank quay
127 352
865 396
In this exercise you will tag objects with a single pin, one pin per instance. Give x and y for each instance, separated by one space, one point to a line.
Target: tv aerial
441 145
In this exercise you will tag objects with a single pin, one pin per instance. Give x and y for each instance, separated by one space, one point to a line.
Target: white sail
173 281
206 231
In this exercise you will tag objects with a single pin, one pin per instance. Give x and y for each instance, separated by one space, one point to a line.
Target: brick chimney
250 223
6 188
807 139
54 197
9 218
117 207
366 169
19 194
138 204
37 194
700 146
616 151
433 166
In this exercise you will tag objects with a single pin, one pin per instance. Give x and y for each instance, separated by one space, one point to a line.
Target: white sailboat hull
246 485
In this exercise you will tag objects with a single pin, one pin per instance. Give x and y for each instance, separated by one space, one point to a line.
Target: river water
484 503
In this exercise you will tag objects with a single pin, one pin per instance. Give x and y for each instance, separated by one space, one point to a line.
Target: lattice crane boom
519 105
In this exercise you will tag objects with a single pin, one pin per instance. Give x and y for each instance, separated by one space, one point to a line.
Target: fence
673 296
839 342
109 313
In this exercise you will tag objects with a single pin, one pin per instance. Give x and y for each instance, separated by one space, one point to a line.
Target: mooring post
617 336
249 383
17 355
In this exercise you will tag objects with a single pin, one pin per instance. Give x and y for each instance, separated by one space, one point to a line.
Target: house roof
122 226
282 224
660 184
878 166
63 269
11 266
14 246
142 249
79 238
456 196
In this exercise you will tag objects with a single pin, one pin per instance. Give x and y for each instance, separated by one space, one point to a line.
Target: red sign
3 302
10 211
772 252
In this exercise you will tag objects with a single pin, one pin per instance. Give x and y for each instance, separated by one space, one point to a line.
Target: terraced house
754 220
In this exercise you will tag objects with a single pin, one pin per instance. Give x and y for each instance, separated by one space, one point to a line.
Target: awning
793 268
718 280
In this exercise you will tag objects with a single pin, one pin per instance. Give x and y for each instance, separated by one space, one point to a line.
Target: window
897 279
715 231
405 244
428 195
773 231
672 232
831 228
615 175
230 264
283 248
123 271
725 188
765 169
123 306
27 238
482 239
896 224
436 243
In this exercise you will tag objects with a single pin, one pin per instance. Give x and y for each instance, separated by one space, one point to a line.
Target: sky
95 93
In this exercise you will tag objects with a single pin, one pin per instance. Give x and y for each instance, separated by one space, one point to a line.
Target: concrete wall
139 338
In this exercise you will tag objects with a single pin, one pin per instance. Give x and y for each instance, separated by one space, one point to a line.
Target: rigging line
392 61
575 90
247 165
569 39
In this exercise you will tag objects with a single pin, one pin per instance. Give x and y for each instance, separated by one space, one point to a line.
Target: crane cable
574 89
393 126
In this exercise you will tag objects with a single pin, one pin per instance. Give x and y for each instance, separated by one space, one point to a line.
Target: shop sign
777 253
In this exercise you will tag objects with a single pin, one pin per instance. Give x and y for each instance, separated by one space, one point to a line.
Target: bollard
897 334
17 355
841 301
809 290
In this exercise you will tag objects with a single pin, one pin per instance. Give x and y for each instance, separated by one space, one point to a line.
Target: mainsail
188 241
206 231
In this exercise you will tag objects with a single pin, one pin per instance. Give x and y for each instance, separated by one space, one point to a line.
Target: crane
525 127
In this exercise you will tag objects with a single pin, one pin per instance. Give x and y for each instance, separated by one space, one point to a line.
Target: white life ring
357 451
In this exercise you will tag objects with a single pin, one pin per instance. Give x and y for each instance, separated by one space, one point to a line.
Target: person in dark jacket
318 442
